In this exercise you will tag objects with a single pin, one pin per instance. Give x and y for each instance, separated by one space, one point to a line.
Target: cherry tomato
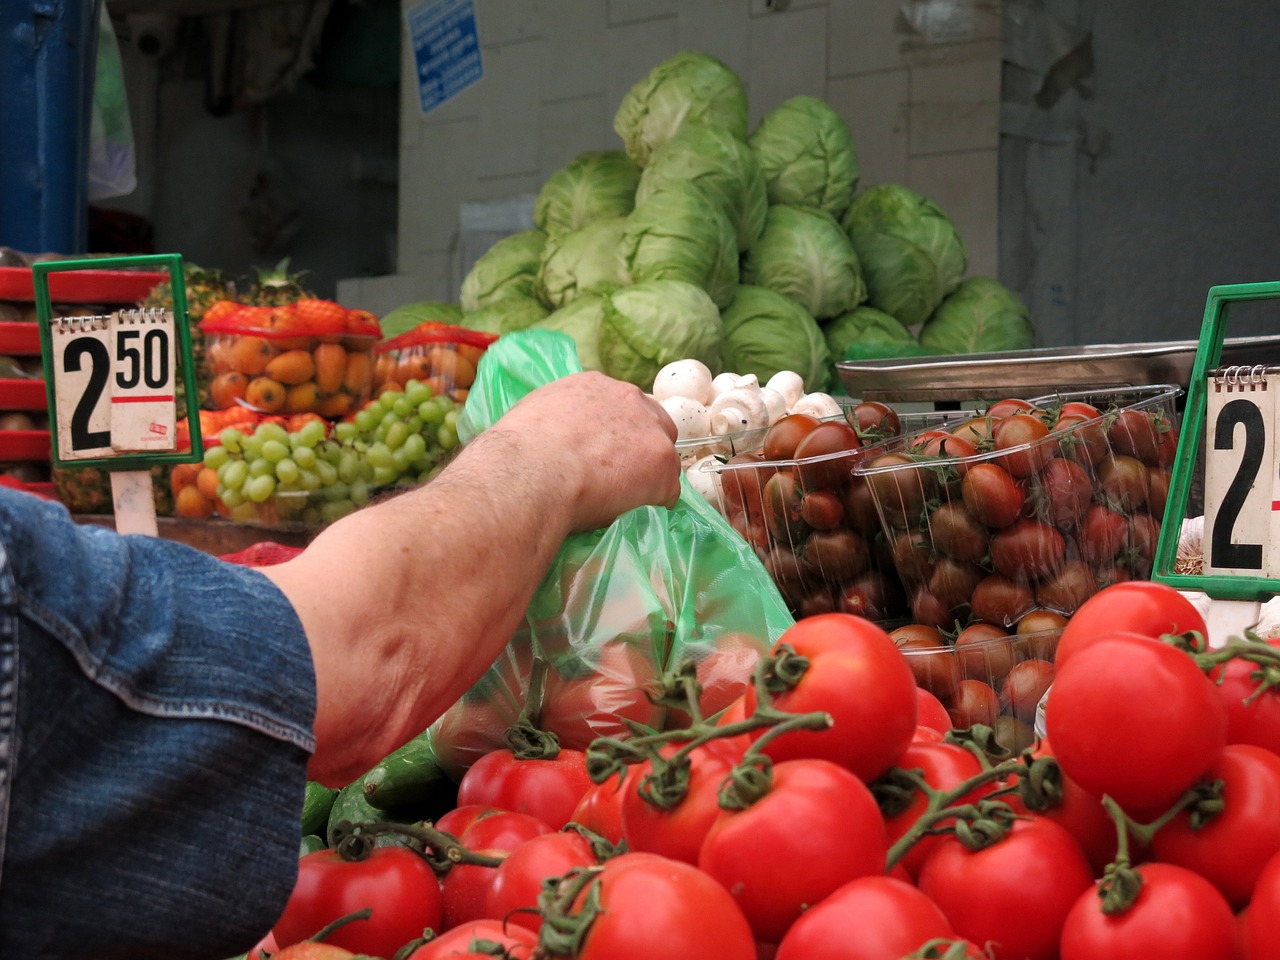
1101 534
1027 548
941 443
1001 600
1010 406
820 469
821 827
856 675
1178 915
1018 436
975 703
513 892
742 481
1135 719
933 662
1038 865
986 652
1066 588
992 495
785 434
891 917
1139 434
1067 491
1141 606
395 883
1125 481
901 487
548 789
879 420
1252 716
1024 687
957 534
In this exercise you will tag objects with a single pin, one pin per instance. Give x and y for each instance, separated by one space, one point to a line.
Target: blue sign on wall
446 48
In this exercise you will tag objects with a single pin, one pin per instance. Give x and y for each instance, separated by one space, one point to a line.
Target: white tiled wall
923 108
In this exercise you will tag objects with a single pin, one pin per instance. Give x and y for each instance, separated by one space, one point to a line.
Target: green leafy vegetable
509 268
807 155
408 315
580 261
803 254
653 323
593 186
980 316
581 319
765 332
506 315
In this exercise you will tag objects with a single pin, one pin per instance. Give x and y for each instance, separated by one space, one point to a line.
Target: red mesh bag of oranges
441 355
309 356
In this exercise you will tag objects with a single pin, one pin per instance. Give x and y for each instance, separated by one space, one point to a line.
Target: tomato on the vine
465 888
513 891
1145 607
548 788
1261 933
479 938
600 809
1253 715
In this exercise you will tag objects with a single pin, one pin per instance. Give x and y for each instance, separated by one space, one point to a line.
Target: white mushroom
692 419
683 378
820 405
702 477
737 410
723 383
788 383
775 403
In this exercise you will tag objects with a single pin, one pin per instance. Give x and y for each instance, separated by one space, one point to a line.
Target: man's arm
407 602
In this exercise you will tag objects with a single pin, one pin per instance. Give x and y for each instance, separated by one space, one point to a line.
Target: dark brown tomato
986 652
912 556
1125 481
945 445
741 486
875 420
860 506
1001 600
1079 408
751 529
952 581
1020 437
1101 534
977 430
991 495
1024 687
826 455
1081 439
1009 407
785 433
785 568
1167 448
1158 491
1041 621
835 555
1013 734
934 664
1140 545
902 487
1067 490
975 702
1067 588
782 501
1028 548
1137 433
957 534
872 595
1108 573
928 609
822 509
821 600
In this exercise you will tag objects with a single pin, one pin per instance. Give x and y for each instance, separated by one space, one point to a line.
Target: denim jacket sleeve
155 724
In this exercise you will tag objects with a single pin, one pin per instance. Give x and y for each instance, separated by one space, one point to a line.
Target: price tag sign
1241 482
143 414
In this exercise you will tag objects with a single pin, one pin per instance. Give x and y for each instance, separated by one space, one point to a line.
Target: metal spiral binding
143 315
81 323
1241 377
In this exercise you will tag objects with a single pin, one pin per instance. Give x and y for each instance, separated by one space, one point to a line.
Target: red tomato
396 883
478 939
1261 932
1038 867
872 918
600 809
465 888
615 686
513 892
1177 915
677 831
650 905
821 827
1017 436
1140 606
723 670
944 766
859 677
548 789
308 951
931 713
927 735
1230 848
1027 548
1024 687
1067 490
975 703
458 819
992 495
264 948
1252 717
1135 719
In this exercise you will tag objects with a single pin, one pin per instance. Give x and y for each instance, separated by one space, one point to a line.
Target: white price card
143 413
81 366
1241 486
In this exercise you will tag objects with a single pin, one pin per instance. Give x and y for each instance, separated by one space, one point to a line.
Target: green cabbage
721 165
864 325
581 261
677 233
980 316
691 87
910 252
408 315
506 315
508 268
654 323
803 254
765 332
580 319
592 186
807 155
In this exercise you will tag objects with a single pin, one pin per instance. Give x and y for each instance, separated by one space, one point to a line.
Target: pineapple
276 286
203 288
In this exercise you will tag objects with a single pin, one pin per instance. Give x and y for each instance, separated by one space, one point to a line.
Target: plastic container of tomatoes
312 356
1033 505
812 520
441 355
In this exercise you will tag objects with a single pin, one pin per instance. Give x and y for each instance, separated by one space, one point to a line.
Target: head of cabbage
803 254
593 186
408 315
581 319
765 332
679 233
581 261
509 268
688 87
980 316
657 322
506 315
807 155
910 252
719 163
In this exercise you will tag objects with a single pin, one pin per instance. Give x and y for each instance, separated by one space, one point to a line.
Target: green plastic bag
618 607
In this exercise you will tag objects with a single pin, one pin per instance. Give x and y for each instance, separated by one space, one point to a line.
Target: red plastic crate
23 395
17 446
44 489
19 339
81 286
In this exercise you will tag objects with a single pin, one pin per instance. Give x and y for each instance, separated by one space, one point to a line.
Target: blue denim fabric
155 724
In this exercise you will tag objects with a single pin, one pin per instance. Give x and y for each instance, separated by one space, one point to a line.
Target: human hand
612 444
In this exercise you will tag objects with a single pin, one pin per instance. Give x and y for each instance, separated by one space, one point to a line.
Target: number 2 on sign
1241 492
82 371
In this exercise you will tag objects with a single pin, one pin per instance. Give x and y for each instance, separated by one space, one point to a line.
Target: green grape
451 419
309 480
415 391
272 431
359 493
402 459
336 491
246 512
233 474
403 407
260 489
345 431
416 445
365 421
311 516
330 452
388 399
414 424
389 419
349 467
230 498
397 434
366 471
312 432
384 476
214 457
379 455
328 473
305 457
430 413
447 436
231 439
252 446
287 471
262 467
274 450
336 510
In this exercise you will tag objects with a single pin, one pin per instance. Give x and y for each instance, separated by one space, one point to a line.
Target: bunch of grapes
314 475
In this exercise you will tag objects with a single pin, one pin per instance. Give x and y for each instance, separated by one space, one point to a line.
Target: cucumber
316 804
410 782
310 844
